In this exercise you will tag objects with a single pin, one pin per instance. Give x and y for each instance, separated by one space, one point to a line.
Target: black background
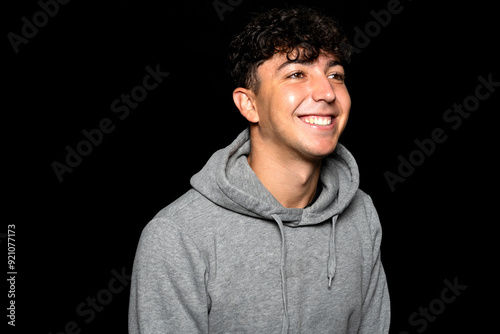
70 236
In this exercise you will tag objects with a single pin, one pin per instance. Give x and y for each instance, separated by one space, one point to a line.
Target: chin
324 148
316 153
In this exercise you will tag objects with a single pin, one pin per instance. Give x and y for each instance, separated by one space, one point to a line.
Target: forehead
281 59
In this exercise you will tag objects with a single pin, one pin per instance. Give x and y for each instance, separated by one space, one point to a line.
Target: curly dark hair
301 33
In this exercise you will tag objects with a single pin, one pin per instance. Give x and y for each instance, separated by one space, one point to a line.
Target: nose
322 89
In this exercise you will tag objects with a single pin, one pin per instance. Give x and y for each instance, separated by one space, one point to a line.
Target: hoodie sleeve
168 291
376 305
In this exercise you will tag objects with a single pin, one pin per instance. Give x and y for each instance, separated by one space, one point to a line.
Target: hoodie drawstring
284 326
331 264
332 257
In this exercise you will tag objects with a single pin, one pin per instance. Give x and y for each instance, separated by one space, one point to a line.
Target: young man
274 236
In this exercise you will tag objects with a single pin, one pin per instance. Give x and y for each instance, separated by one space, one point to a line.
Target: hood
228 180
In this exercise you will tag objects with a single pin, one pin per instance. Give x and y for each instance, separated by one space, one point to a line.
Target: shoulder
187 219
362 203
363 213
188 207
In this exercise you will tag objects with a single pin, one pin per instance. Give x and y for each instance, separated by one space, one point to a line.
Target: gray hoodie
227 257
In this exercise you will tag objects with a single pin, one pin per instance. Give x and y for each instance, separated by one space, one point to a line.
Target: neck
292 181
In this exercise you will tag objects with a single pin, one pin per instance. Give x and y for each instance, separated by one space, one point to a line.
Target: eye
296 75
339 77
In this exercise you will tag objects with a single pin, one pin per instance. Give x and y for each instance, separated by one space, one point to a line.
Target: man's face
302 106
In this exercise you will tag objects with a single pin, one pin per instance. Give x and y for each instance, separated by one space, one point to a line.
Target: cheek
289 99
345 104
344 99
279 104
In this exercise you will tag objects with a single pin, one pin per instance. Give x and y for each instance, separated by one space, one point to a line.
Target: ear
244 99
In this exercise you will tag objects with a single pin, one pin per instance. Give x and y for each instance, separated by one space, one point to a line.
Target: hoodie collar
228 180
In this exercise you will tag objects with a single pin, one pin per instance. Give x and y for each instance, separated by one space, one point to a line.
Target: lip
319 127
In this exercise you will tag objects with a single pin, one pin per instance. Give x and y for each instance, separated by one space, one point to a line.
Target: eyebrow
332 63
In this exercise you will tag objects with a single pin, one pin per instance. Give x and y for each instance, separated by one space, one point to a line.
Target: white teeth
318 120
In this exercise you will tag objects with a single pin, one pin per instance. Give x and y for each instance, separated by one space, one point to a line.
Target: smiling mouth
317 120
